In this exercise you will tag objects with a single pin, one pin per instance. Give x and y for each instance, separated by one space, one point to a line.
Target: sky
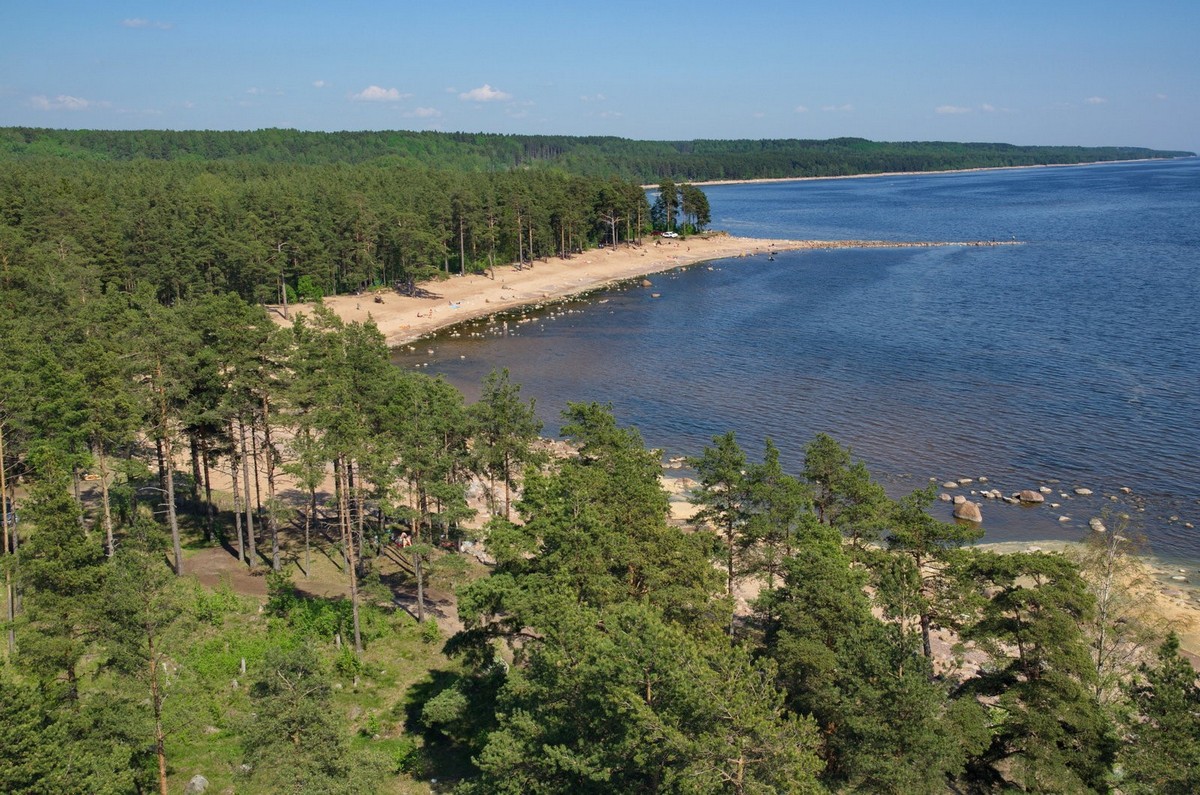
1053 72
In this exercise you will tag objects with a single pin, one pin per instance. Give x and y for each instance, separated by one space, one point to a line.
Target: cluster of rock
972 511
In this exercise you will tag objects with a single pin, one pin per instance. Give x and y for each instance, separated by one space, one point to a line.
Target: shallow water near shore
1068 361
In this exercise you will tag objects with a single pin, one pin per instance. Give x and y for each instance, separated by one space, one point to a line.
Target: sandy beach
440 304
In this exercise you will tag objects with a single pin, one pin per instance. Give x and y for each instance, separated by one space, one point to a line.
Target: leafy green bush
308 289
429 632
211 606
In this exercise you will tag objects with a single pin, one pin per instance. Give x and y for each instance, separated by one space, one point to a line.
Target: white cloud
1160 96
64 102
425 113
378 94
593 97
951 109
801 109
759 115
838 108
319 84
610 114
485 93
138 22
986 108
1095 100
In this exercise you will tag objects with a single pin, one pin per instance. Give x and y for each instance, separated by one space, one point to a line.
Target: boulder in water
969 511
1030 496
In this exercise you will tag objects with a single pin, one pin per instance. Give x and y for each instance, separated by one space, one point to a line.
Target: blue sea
1070 360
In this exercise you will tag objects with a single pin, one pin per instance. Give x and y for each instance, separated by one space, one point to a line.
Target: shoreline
458 299
923 173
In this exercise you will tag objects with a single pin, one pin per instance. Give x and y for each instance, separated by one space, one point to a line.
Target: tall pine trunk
167 474
195 451
105 503
269 452
246 484
9 549
237 494
210 523
348 540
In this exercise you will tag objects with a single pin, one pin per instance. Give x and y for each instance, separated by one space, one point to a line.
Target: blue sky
1045 72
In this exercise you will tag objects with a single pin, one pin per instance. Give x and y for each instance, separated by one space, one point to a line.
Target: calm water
1070 360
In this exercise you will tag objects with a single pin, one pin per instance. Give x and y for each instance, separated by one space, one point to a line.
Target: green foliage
1051 733
293 744
347 664
505 430
1162 752
617 700
316 618
211 606
307 289
645 161
62 573
429 632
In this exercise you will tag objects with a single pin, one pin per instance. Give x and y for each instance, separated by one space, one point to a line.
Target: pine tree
1161 752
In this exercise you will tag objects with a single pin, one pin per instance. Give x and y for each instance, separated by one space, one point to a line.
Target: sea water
1068 361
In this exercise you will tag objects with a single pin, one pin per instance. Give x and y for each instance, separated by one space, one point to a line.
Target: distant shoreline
924 173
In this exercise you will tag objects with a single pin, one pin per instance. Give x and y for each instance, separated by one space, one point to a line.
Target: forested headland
643 161
262 554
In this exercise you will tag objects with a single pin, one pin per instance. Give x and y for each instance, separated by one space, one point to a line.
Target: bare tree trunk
257 479
269 452
9 612
246 483
156 701
158 450
210 522
308 519
167 460
340 497
347 532
195 450
360 509
237 494
420 586
462 248
172 517
520 243
105 504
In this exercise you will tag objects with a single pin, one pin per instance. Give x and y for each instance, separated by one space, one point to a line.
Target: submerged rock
1082 492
